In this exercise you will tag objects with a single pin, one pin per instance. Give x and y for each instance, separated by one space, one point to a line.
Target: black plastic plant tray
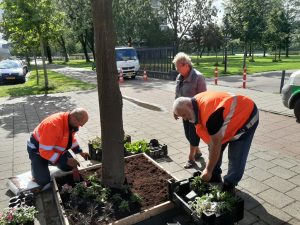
178 192
159 151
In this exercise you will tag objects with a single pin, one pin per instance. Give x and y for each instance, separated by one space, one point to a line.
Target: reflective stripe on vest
248 126
54 157
229 115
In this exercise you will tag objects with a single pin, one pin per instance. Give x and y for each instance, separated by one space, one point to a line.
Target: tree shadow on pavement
257 213
22 115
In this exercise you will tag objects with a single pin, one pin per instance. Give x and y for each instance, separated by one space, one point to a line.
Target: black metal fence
157 62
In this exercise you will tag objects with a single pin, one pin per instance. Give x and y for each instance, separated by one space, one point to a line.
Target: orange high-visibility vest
53 136
237 110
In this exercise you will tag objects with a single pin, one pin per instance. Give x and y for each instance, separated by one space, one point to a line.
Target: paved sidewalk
271 182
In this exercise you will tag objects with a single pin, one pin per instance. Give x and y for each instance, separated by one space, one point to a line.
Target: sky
219 6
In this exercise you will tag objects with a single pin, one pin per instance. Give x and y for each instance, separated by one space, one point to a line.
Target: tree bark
82 40
44 63
49 54
110 98
62 42
36 69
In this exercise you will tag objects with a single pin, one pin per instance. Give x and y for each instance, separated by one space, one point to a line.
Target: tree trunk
44 63
62 42
49 54
202 50
36 69
91 42
83 44
110 98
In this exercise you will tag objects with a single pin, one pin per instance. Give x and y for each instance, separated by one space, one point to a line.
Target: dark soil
142 178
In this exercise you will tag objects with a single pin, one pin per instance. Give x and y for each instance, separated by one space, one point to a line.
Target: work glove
72 163
85 155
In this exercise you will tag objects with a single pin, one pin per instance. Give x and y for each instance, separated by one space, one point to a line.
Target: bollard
121 78
244 77
216 75
145 77
282 80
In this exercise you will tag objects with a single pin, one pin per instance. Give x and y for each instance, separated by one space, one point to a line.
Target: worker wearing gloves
221 119
50 141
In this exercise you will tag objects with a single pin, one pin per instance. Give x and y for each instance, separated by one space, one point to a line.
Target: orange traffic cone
145 77
121 78
216 75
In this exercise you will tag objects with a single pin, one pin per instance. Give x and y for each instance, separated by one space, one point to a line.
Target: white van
127 61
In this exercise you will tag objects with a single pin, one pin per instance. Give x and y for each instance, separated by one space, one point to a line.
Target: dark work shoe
198 155
190 164
230 188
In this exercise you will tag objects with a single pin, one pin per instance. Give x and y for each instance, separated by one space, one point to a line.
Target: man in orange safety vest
222 119
50 141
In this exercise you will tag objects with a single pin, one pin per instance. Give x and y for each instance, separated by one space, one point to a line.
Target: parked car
291 94
13 71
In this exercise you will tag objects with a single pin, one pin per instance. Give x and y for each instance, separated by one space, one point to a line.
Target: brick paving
271 182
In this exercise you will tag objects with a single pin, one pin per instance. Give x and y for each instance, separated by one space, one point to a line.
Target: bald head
183 107
78 117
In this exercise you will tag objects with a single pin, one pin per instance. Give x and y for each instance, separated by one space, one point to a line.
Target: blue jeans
39 166
238 151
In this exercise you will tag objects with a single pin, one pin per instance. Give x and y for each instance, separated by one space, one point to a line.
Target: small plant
66 189
96 143
135 198
124 206
199 186
116 199
16 216
137 147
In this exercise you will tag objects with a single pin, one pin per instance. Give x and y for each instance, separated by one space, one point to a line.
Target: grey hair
79 113
181 57
181 103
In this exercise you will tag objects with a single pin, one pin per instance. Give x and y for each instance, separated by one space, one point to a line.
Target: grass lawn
235 64
57 83
78 63
234 67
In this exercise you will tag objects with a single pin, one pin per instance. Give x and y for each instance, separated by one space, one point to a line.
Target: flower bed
205 202
145 194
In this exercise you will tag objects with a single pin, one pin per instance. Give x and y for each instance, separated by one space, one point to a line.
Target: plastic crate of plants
95 147
206 203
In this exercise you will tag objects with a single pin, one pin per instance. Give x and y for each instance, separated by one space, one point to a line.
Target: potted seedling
95 148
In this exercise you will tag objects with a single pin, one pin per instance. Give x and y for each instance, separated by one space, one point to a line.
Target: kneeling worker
221 119
50 141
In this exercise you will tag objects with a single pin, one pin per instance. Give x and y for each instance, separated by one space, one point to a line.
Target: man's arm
214 154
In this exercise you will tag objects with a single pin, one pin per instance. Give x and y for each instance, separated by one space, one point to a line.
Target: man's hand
175 116
206 175
85 155
73 162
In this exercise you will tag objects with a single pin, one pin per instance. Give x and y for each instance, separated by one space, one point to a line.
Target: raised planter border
135 218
